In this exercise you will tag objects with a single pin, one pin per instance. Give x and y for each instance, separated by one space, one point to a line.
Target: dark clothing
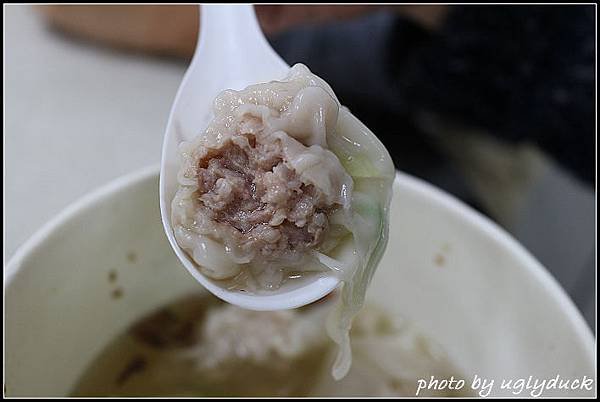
524 73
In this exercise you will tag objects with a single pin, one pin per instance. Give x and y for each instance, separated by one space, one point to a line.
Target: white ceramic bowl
464 282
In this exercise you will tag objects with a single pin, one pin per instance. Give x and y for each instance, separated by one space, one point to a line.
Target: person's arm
157 29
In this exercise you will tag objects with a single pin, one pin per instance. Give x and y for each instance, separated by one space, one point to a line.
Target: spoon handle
234 29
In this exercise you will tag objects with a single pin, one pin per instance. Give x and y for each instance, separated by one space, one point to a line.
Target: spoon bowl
231 53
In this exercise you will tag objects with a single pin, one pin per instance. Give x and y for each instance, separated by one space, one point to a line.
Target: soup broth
201 346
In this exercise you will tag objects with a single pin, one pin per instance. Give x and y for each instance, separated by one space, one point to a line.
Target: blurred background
494 104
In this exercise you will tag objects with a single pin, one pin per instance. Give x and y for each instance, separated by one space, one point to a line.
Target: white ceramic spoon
231 53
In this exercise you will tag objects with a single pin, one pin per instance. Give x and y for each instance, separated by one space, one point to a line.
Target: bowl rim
73 209
423 188
488 227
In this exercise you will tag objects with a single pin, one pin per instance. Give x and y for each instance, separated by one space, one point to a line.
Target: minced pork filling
251 196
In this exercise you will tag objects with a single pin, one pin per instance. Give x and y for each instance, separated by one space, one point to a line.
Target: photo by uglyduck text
530 386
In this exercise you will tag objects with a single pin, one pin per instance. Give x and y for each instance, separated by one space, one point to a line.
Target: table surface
77 116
